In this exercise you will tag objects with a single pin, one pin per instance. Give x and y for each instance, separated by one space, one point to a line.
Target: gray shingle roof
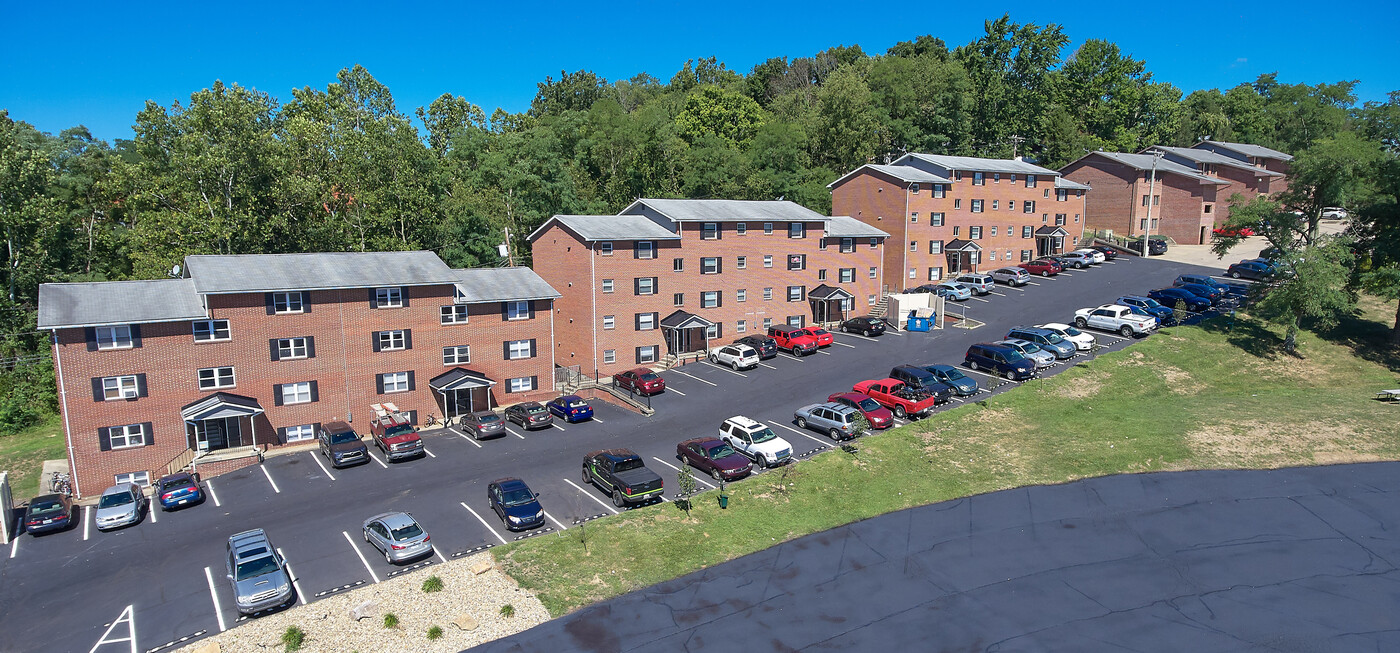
1144 162
1061 182
979 164
729 210
1215 158
609 227
1249 149
903 173
118 302
502 285
214 274
842 226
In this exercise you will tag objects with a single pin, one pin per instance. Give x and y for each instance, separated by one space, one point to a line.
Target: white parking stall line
996 293
853 335
466 437
957 399
514 433
590 495
842 344
1116 339
558 523
556 426
214 594
990 376
376 458
483 522
824 353
87 523
14 547
809 437
361 555
790 356
296 580
697 478
725 369
439 554
768 366
675 391
696 378
269 479
130 621
979 299
154 511
209 485
321 464
430 453
595 419
1032 283
1068 274
1014 288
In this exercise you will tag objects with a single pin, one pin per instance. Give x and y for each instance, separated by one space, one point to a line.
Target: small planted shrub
432 584
293 638
391 620
435 632
507 610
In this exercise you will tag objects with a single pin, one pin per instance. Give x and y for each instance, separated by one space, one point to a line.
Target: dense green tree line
343 168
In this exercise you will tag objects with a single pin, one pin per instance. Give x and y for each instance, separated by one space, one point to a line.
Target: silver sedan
397 536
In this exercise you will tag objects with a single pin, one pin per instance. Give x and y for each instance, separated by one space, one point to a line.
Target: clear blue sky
96 64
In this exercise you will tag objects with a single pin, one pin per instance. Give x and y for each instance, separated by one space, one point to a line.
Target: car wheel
1235 275
1011 375
734 365
1081 322
714 473
972 364
617 499
865 333
801 423
1126 330
1078 265
365 533
587 478
899 412
835 434
1045 273
388 558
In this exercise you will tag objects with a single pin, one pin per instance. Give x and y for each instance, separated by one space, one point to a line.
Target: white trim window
767 260
767 228
870 299
288 303
767 294
391 297
520 384
741 327
607 285
935 247
709 231
796 293
709 299
215 378
646 354
741 262
518 349
394 382
455 314
709 265
609 356
296 393
646 321
848 275
392 340
114 337
301 433
457 355
741 295
874 272
120 387
848 245
211 331
797 230
609 322
741 228
291 348
712 331
126 437
646 249
976 206
140 478
605 248
646 285
518 310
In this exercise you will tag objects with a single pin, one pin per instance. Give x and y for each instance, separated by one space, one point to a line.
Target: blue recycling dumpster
916 323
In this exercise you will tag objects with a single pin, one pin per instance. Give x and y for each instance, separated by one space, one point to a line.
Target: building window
768 228
741 327
741 262
1026 255
935 247
520 384
821 274
709 299
518 310
797 230
741 295
977 206
992 256
957 204
934 274
211 330
214 378
821 244
1059 219
874 242
1208 208
605 248
712 331
939 191
741 228
995 204
848 275
609 356
1061 195
1030 181
767 294
646 321
956 228
974 232
795 321
388 297
935 219
1028 206
870 299
913 272
913 246
996 177
607 285
645 249
608 322
993 234
678 265
1026 231
1010 205
284 303
797 262
709 265
646 286
979 179
301 433
1076 218
114 337
289 348
848 245
795 293
394 382
455 314
678 299
767 260
457 355
873 272
914 217
125 437
392 340
914 188
120 387
709 231
518 349
767 322
140 478
296 393
646 354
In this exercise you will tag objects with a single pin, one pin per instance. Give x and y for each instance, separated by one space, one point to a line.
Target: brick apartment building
951 214
1246 179
667 277
1258 156
249 352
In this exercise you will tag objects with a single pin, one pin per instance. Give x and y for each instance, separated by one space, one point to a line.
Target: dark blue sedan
180 489
1164 315
570 408
1210 293
1256 270
514 503
1169 297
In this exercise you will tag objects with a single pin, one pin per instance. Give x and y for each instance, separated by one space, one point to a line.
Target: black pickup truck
622 474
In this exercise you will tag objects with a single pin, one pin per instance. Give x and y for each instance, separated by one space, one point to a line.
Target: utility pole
509 254
1151 199
1015 142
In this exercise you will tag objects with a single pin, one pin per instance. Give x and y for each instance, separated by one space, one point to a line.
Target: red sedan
822 336
640 380
1042 267
878 416
1234 231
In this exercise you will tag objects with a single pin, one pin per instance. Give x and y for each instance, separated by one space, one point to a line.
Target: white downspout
593 301
67 427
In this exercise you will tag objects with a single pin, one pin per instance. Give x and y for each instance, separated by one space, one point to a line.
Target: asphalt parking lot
161 583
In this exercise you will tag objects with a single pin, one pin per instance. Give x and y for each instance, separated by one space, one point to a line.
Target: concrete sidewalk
1245 249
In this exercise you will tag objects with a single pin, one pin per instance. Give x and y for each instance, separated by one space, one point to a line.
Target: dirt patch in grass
1082 388
1256 444
1178 380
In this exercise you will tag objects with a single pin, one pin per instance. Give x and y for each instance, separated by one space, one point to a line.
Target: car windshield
578 403
629 463
489 418
406 532
114 500
762 436
1031 348
721 451
1150 303
650 376
1138 311
40 507
256 567
518 497
1014 356
534 410
1072 331
818 332
344 437
868 405
174 483
1053 338
398 430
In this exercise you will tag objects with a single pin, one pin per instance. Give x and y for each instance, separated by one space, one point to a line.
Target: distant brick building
249 352
1258 156
1182 201
951 214
669 277
1246 179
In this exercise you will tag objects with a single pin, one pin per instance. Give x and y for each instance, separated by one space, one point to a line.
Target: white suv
756 441
735 356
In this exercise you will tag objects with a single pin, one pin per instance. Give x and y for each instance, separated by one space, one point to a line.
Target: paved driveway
1287 560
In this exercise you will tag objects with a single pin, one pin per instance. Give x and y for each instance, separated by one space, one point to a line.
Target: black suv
765 346
1156 245
920 379
342 445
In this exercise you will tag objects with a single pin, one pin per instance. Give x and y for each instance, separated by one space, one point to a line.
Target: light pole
1151 199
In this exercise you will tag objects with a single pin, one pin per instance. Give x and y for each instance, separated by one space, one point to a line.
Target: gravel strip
329 627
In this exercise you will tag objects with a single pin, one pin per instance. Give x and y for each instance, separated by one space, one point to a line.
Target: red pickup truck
897 397
394 432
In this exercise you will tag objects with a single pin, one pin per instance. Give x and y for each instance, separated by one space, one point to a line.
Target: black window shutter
271 305
310 346
90 334
403 295
505 347
531 305
637 286
374 340
413 417
305 302
408 338
534 383
104 439
719 265
505 310
315 392
140 385
532 347
719 298
277 394
147 430
281 435
97 394
636 249
136 336
315 429
272 349
373 300
656 285
639 355
411 384
637 322
379 384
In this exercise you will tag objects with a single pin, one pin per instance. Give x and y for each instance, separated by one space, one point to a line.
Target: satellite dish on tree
175 271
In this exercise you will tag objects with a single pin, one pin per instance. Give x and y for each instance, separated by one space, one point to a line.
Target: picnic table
1388 395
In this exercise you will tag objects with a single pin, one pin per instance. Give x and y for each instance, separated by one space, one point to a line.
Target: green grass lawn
23 455
1185 398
